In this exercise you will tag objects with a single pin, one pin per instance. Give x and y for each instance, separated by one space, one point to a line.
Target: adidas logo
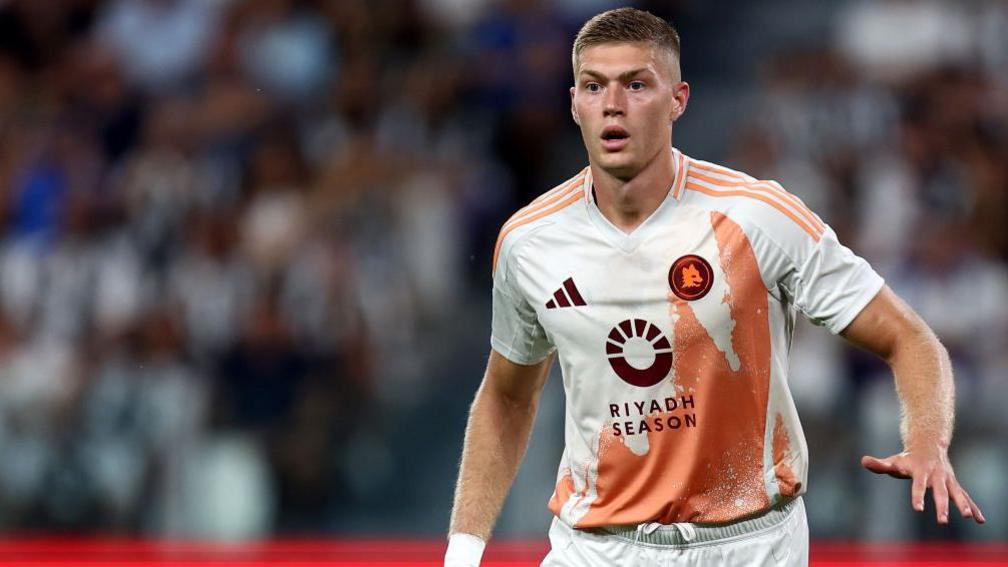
566 296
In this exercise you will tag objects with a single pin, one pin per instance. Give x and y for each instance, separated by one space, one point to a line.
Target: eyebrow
622 76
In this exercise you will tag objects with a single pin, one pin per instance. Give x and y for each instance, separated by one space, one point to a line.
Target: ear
577 119
680 98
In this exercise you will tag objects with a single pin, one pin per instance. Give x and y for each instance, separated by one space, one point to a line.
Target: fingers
977 515
939 491
917 490
948 487
960 498
942 482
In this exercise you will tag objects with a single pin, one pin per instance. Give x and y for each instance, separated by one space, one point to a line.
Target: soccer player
668 287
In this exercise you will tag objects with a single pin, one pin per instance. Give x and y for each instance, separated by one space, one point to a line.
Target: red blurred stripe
895 551
125 552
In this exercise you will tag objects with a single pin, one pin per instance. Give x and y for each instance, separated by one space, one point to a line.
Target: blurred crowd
900 139
244 266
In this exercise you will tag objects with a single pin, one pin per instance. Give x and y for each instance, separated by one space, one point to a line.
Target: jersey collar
675 191
622 240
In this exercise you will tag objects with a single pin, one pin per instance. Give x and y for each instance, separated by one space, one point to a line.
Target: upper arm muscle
516 382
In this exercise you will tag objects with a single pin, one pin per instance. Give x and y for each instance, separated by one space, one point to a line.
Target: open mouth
614 138
614 133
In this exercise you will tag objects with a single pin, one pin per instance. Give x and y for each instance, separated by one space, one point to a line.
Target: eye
637 85
593 87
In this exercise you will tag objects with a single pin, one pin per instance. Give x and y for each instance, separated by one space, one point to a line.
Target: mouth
614 138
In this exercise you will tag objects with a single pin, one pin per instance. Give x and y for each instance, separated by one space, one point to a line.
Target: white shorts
778 538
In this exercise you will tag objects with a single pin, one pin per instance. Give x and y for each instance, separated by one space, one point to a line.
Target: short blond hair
625 25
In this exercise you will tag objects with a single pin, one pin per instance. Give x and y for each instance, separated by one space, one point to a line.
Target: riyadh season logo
639 353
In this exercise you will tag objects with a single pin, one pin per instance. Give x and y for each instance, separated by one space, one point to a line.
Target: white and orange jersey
673 340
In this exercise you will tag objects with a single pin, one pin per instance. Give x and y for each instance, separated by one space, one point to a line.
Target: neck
627 203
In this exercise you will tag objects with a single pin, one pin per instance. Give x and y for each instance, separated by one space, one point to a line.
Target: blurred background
245 248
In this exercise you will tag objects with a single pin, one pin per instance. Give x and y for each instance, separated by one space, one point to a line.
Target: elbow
917 342
508 401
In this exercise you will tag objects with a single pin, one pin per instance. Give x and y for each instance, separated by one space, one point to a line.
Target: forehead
615 58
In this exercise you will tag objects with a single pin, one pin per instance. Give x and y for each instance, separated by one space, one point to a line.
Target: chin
619 166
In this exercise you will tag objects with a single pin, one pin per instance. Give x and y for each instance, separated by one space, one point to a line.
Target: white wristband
464 550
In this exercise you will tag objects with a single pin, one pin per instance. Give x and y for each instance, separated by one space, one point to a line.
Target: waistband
691 533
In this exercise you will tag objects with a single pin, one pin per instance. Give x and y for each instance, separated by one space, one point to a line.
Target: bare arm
500 422
888 327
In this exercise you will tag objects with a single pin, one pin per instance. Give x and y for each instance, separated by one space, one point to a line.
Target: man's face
625 98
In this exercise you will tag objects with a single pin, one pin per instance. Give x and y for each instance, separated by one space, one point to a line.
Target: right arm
497 434
501 416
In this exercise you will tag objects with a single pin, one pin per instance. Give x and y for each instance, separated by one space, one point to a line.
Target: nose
615 102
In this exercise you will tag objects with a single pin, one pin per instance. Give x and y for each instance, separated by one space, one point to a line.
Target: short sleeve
516 333
822 278
832 284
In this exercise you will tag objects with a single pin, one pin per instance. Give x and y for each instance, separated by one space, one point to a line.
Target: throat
627 212
628 203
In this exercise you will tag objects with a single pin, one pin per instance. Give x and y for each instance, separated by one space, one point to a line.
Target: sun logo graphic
690 277
639 353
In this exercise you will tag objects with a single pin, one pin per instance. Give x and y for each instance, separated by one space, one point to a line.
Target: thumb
876 465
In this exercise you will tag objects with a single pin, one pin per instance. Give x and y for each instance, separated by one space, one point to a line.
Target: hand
928 469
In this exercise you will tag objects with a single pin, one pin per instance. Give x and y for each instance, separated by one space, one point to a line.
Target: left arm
888 327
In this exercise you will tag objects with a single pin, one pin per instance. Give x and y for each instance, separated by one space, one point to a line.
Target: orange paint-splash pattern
786 481
712 472
564 490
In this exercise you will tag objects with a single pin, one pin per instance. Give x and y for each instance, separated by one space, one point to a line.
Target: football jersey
673 340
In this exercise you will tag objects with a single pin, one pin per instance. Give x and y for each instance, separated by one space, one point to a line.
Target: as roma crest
690 277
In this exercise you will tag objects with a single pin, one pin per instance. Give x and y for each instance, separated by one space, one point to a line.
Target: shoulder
542 211
760 204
